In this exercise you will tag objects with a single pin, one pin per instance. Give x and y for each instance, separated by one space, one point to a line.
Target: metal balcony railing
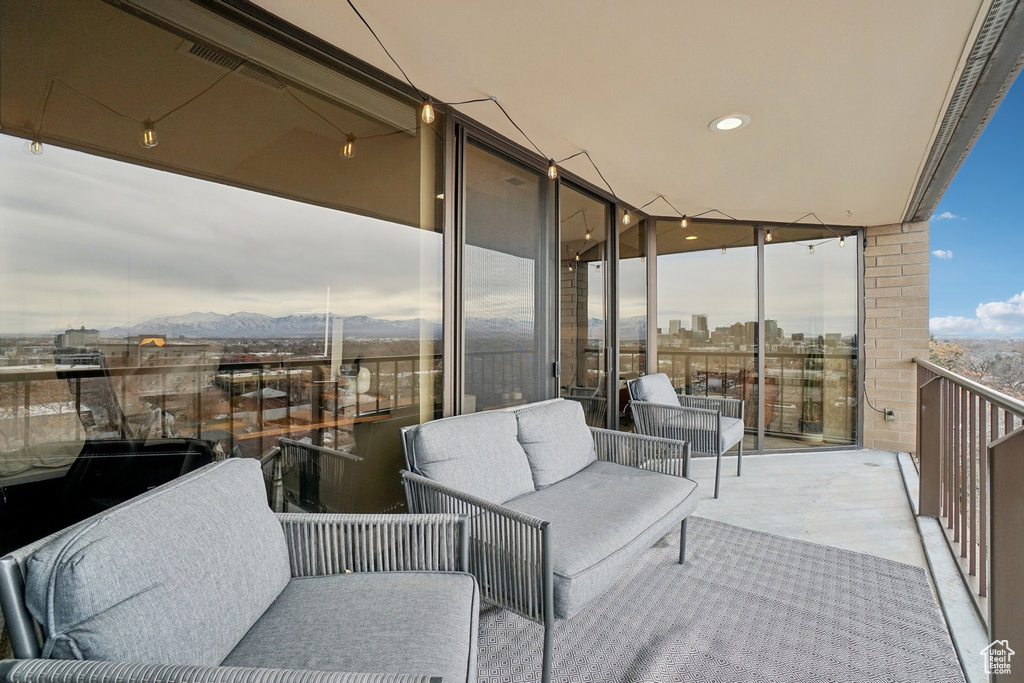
970 441
30 398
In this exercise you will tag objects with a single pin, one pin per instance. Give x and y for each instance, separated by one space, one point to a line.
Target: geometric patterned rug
746 606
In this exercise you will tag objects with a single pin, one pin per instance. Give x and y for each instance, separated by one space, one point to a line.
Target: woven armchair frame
73 671
320 545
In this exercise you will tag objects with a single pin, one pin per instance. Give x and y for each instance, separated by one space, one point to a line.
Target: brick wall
895 330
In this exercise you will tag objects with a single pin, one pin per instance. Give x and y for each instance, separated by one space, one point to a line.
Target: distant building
76 339
771 331
699 326
674 326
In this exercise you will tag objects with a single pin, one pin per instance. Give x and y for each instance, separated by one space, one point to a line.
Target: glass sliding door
583 264
632 285
811 338
509 282
707 311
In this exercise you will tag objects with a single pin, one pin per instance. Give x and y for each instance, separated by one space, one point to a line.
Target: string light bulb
34 147
427 113
148 139
810 249
570 267
683 223
348 150
723 251
768 236
842 241
626 218
577 256
552 169
587 236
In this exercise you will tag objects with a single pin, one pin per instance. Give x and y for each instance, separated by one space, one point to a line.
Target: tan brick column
895 330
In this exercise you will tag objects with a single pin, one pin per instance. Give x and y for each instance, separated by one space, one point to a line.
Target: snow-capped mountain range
255 325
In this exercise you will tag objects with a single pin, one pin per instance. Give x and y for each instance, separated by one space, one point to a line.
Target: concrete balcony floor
852 499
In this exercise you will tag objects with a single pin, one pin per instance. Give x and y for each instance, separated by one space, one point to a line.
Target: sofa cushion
175 576
602 518
557 440
731 434
654 388
381 622
477 454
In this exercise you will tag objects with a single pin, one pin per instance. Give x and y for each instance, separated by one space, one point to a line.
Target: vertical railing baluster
982 498
26 424
972 481
78 408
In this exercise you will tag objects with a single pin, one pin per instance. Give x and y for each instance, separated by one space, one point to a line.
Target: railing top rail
91 371
994 397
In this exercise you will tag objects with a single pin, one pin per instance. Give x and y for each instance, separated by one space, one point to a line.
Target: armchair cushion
388 622
476 453
732 428
602 518
556 439
177 575
656 388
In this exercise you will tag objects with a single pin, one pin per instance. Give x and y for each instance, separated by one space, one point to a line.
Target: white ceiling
844 97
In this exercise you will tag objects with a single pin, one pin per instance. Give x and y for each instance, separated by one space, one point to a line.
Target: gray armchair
556 509
203 577
712 426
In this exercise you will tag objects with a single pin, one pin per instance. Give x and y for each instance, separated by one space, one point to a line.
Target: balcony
864 501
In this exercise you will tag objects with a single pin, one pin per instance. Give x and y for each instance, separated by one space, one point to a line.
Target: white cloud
947 216
943 254
993 319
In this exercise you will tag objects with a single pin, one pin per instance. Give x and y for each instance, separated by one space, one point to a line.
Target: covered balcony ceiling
845 99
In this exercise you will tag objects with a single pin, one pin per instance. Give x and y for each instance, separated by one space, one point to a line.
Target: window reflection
584 258
240 282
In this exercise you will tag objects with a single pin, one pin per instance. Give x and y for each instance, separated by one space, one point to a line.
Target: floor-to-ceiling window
710 332
707 311
509 282
632 286
811 337
583 262
207 239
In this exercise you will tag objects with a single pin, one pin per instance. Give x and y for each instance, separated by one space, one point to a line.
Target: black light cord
379 42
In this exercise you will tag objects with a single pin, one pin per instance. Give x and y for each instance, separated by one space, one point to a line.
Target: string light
148 139
842 242
683 223
577 256
349 149
626 218
34 147
427 113
723 251
552 170
810 249
768 235
570 267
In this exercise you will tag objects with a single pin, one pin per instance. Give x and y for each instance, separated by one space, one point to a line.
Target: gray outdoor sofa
198 580
556 509
710 424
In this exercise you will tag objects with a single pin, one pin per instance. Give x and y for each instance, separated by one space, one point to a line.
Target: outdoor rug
746 606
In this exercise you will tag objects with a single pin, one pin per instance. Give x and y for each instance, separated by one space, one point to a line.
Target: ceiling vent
226 60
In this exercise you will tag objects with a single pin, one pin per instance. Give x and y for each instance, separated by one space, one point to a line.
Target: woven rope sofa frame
510 552
697 420
318 545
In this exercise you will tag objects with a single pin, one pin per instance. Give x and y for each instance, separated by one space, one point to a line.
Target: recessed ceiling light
440 196
730 122
691 237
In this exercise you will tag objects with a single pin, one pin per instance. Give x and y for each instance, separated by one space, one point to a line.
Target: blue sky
977 234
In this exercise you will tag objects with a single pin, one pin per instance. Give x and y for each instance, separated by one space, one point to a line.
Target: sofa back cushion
177 575
557 440
477 454
656 388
